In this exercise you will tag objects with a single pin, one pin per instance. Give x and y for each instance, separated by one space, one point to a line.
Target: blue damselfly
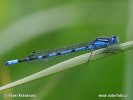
90 46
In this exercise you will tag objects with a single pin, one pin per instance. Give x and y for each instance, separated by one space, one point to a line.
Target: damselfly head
114 39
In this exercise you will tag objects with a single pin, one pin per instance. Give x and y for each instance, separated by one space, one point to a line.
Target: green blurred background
31 25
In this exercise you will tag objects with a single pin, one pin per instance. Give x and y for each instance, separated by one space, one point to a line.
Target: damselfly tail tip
11 62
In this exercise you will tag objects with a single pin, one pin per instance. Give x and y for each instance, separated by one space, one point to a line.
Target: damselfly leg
93 48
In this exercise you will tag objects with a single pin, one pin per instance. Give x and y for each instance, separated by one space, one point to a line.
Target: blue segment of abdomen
65 52
52 54
11 62
40 57
79 49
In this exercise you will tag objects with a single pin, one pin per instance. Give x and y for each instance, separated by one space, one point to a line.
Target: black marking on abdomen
73 50
59 53
22 60
45 56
